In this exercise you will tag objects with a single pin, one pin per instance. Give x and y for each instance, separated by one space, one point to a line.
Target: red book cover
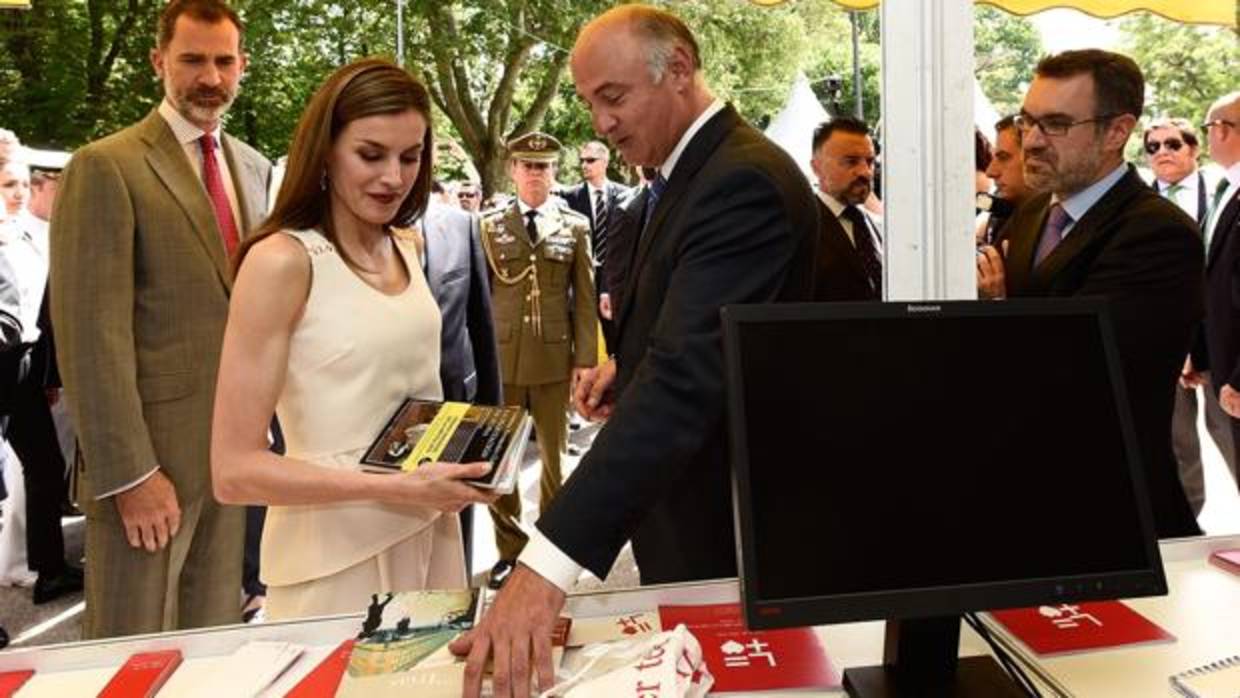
142 675
10 681
323 681
1227 559
753 660
1078 627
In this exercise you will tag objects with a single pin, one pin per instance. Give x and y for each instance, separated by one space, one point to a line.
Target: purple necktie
1052 233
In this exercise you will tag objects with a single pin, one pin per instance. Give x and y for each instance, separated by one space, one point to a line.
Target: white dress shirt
1187 196
836 207
187 134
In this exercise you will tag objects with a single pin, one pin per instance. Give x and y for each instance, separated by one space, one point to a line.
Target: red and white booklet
142 675
753 660
1050 630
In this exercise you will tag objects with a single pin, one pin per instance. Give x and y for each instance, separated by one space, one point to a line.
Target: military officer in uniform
542 290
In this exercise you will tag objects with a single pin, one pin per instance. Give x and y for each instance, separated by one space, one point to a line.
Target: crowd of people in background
220 349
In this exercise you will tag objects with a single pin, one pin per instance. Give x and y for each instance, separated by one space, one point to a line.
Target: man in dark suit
456 271
729 219
597 198
1172 148
1223 268
1098 230
850 247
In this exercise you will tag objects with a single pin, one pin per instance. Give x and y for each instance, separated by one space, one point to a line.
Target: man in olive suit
144 226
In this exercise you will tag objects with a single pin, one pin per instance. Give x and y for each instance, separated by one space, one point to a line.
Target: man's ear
1119 130
157 62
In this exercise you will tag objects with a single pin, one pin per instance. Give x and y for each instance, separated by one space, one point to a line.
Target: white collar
670 163
1188 183
185 131
545 209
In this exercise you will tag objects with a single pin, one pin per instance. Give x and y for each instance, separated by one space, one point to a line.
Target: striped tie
600 227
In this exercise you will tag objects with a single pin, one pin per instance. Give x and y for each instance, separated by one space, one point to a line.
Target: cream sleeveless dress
354 356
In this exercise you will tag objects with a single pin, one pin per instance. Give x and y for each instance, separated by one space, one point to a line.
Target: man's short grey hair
662 32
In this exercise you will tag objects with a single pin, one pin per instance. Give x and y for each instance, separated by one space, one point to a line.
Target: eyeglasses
1054 125
589 160
1172 144
467 195
1216 122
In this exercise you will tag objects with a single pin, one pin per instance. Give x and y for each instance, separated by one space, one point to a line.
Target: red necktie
219 196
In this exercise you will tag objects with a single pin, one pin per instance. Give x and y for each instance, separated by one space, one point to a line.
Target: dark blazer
578 199
456 271
1142 253
623 232
1203 201
1223 298
840 274
736 224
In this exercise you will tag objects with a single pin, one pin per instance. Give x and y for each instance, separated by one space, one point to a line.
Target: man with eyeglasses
1222 326
597 198
1172 147
849 265
1098 230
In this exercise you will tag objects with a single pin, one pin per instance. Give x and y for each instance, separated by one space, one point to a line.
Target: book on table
1078 627
142 675
423 431
753 660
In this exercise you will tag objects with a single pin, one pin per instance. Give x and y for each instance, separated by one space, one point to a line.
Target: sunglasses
590 161
467 195
1172 144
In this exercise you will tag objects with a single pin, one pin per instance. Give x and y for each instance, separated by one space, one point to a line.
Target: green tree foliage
1005 48
1186 67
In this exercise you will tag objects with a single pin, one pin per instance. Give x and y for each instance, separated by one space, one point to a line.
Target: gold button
525 319
533 258
527 296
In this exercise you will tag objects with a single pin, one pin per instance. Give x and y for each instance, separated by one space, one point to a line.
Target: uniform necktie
864 242
1052 234
600 226
530 227
219 197
1172 190
656 189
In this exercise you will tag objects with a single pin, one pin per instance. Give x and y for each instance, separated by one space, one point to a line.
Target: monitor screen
897 460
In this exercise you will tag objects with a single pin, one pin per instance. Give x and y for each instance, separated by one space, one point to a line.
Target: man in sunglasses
597 198
469 196
1099 230
1172 148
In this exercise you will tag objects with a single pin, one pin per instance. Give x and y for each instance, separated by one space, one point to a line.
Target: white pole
928 150
400 33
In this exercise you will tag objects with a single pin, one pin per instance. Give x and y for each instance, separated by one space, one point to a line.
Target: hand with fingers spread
516 635
592 395
150 512
441 486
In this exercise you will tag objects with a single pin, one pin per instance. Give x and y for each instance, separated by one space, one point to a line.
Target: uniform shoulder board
573 216
491 213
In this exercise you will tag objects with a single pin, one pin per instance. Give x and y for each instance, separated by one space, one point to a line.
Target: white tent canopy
793 127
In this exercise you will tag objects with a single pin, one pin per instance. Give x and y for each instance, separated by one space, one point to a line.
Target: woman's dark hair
364 88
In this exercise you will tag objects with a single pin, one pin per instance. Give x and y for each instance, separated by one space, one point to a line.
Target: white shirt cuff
130 486
541 555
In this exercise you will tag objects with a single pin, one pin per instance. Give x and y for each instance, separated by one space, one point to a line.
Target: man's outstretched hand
516 632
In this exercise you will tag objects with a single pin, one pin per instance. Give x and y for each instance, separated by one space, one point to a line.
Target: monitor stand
920 658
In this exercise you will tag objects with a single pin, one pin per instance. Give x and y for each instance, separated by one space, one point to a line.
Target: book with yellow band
425 431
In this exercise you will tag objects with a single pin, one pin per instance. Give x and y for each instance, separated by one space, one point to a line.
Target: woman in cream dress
331 325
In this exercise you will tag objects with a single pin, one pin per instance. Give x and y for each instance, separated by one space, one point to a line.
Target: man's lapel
1223 228
835 241
691 160
250 184
1090 225
170 164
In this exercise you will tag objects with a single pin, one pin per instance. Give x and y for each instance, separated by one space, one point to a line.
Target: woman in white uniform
331 325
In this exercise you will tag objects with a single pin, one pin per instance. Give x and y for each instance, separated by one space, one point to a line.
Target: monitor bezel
764 613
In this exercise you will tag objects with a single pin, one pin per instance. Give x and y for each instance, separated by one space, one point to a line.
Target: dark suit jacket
1223 298
623 232
1142 253
578 199
1203 200
840 274
736 224
456 271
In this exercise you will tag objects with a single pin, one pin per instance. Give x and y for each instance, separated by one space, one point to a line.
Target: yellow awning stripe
1224 13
